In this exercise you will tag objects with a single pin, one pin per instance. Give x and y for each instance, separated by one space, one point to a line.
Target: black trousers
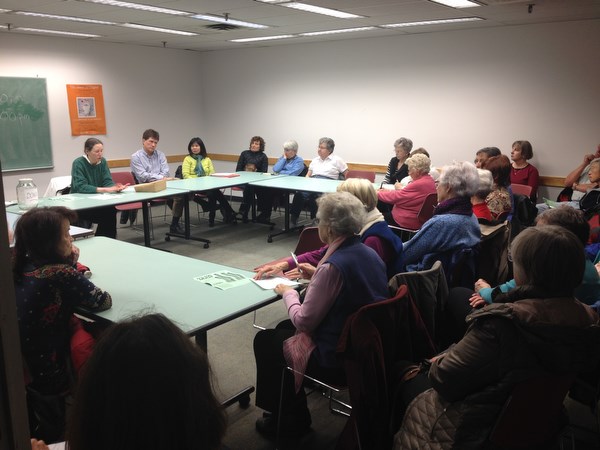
105 217
302 198
264 200
270 365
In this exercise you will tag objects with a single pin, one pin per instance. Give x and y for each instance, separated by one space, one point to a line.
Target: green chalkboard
24 124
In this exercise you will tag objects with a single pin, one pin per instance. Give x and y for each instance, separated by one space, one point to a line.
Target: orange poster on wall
86 109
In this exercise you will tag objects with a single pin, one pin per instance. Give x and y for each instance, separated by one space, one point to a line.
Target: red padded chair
125 178
361 174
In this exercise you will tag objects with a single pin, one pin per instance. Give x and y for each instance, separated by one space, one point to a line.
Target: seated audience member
453 226
433 172
461 301
397 169
254 160
578 179
90 175
544 330
288 164
522 172
149 164
146 387
375 234
499 201
198 164
325 165
349 276
480 208
484 154
407 202
48 287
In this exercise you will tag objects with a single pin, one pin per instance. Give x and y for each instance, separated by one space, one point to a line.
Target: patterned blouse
499 201
46 298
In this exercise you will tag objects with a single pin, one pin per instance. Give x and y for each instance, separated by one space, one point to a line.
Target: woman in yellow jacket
197 164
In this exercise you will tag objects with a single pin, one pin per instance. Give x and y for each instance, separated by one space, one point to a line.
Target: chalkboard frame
24 124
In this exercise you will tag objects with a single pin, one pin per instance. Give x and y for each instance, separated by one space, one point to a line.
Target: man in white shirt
149 164
326 165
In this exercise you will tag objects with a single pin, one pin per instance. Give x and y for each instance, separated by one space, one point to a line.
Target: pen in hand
296 261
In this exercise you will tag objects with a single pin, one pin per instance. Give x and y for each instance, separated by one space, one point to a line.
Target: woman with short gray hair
349 276
397 168
453 226
407 202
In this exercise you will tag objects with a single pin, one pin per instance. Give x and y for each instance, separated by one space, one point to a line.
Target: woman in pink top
407 201
522 172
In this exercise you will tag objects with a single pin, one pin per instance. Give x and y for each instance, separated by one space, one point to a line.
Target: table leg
186 234
146 219
286 228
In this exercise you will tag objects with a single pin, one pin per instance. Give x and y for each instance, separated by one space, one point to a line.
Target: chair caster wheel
167 238
206 245
269 239
244 401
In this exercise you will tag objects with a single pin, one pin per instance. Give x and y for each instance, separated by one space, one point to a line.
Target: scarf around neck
199 169
373 217
456 205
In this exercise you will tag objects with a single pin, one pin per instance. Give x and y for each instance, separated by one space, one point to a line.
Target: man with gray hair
326 165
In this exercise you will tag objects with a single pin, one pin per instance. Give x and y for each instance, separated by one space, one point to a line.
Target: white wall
451 93
143 88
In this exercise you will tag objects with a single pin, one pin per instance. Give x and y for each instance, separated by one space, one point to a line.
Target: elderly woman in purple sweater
349 275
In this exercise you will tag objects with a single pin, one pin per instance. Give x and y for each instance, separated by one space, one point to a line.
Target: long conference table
291 184
142 280
79 202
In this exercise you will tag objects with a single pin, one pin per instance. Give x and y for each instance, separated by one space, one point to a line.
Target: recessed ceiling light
54 16
160 30
63 33
218 19
345 30
320 10
264 38
457 3
430 22
150 8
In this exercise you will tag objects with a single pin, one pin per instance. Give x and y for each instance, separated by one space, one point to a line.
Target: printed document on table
223 280
270 283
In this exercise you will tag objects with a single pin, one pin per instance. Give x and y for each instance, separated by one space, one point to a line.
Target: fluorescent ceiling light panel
320 10
160 30
431 22
4 11
264 38
457 3
218 19
150 8
272 2
72 19
345 30
63 33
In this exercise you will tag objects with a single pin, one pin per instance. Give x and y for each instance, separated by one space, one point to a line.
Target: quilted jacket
505 344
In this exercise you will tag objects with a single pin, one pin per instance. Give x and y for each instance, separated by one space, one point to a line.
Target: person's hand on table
38 445
280 289
480 284
119 187
74 253
272 270
476 301
304 270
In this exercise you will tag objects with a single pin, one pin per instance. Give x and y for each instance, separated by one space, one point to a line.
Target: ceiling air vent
222 27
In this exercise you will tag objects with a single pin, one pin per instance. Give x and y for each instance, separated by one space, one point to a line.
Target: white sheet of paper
57 446
270 283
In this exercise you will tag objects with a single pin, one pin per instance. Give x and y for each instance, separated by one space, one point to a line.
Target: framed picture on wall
86 109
